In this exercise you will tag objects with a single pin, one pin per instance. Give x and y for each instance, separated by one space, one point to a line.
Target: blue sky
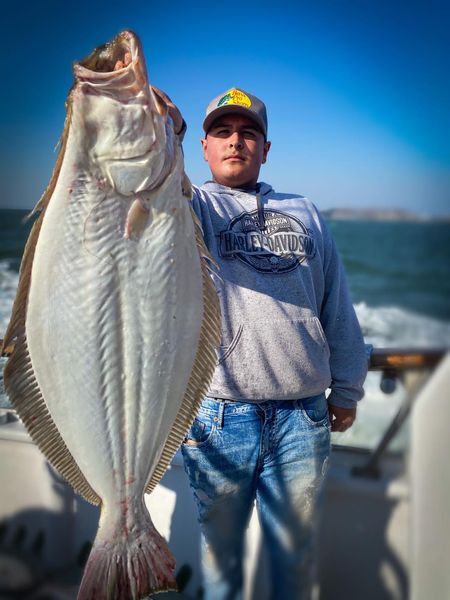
357 92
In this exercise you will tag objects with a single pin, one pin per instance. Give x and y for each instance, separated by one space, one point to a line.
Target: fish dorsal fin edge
23 389
26 397
203 369
62 143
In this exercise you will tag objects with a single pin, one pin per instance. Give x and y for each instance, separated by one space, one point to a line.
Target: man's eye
220 132
249 133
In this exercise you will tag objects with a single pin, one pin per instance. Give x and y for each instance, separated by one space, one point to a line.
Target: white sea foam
8 286
390 326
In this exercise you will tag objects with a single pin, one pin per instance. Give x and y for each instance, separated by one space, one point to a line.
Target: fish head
126 128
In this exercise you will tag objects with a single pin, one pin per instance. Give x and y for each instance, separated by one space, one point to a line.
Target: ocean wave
9 279
388 326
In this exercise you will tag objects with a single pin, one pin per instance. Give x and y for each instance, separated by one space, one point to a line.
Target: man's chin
235 178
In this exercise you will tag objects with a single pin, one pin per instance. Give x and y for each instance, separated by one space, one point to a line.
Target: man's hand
178 121
179 124
341 418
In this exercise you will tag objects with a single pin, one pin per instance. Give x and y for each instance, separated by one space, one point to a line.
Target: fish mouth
121 54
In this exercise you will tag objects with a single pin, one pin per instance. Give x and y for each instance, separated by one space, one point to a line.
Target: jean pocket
200 432
315 410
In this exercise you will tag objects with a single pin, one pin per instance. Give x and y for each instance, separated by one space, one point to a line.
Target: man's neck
244 188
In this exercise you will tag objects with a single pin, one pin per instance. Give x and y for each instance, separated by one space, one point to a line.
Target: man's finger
174 112
341 427
341 418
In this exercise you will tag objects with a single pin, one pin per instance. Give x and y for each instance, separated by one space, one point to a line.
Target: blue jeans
272 452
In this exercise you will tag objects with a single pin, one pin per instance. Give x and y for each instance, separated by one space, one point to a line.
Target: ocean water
398 264
399 277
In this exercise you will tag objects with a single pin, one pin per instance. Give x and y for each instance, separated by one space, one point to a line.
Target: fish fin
186 186
62 142
137 220
204 252
17 320
26 397
131 562
22 387
203 368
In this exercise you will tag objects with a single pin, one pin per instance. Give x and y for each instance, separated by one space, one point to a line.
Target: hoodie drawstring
261 221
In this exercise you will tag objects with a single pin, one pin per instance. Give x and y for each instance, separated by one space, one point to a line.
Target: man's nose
236 141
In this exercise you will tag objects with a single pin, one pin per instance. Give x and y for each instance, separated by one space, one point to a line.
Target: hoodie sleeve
348 359
196 202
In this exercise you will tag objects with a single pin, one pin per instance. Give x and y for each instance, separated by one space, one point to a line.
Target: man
289 332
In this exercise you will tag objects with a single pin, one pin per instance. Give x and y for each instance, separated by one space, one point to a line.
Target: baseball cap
236 100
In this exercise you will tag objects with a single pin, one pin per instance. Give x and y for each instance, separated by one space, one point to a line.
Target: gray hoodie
289 329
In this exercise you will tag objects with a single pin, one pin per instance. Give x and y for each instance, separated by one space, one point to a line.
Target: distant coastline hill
380 214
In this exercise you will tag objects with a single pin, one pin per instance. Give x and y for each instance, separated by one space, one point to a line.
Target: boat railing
411 367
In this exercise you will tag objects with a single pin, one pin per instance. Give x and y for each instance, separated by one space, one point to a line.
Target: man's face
235 149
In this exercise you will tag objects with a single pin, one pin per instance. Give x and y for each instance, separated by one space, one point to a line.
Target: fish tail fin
130 565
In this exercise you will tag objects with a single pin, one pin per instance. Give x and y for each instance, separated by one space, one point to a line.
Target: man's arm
348 360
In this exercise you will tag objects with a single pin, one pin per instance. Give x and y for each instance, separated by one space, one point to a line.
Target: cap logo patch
235 97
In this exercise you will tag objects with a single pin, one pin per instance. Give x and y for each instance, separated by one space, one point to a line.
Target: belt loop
219 418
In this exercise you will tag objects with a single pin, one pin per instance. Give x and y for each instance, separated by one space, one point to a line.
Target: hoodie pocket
276 358
321 333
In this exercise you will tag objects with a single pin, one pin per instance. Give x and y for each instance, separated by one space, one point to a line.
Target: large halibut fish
116 320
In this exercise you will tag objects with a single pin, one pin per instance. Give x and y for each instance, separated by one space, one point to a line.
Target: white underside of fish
111 326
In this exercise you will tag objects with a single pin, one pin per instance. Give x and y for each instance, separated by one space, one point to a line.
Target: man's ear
266 150
204 143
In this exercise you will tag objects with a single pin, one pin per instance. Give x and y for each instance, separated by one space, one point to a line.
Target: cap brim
232 109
